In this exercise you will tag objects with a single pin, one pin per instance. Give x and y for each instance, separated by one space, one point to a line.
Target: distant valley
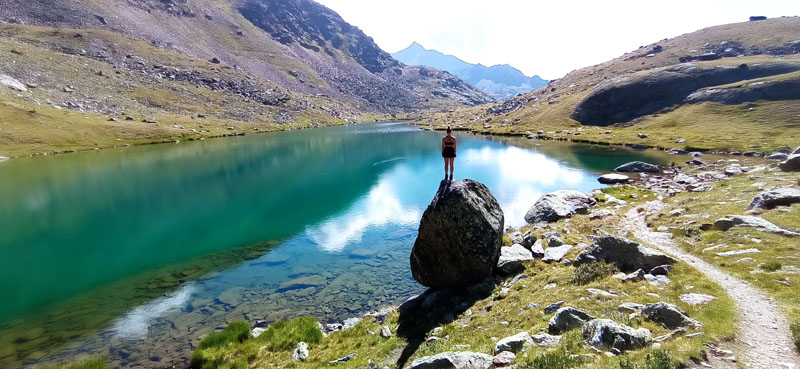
498 81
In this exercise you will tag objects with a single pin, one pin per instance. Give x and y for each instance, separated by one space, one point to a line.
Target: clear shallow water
135 253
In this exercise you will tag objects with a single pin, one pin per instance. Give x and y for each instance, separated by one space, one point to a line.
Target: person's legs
451 160
446 163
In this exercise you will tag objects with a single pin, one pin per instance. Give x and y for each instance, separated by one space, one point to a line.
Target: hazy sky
548 38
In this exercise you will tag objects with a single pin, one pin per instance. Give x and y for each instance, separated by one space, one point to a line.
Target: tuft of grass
552 360
587 273
771 266
285 335
237 331
92 363
795 327
658 359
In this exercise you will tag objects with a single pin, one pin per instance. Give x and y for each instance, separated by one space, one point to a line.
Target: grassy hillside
706 125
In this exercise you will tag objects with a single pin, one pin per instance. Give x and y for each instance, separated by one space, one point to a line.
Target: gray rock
796 151
515 343
638 167
453 360
301 283
554 241
566 319
696 298
552 254
626 254
738 252
257 331
461 347
537 250
3 158
610 334
300 352
600 214
596 292
657 280
791 164
504 358
613 178
557 205
630 307
460 235
343 359
635 276
545 340
350 323
778 156
777 197
731 221
668 315
661 270
386 332
549 309
517 238
512 258
12 83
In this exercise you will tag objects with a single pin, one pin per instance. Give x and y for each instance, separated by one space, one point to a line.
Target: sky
545 38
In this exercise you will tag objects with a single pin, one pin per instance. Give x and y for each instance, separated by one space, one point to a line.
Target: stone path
764 340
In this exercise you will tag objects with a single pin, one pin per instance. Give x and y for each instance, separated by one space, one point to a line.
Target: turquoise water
134 253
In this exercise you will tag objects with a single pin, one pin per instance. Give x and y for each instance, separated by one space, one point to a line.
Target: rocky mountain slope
245 64
498 81
698 90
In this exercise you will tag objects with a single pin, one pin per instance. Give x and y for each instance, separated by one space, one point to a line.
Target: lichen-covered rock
626 254
515 343
668 315
777 197
555 254
731 221
638 167
511 259
453 360
610 334
300 352
460 235
557 205
566 319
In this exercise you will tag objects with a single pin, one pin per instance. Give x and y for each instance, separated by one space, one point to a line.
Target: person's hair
449 130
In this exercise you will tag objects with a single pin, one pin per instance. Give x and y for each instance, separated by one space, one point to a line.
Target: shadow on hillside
422 314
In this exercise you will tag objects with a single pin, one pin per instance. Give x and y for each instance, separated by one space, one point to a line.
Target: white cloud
548 38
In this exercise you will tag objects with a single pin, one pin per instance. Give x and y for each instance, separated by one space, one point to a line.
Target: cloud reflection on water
517 178
135 324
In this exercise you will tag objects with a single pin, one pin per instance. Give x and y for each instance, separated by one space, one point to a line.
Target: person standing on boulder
449 152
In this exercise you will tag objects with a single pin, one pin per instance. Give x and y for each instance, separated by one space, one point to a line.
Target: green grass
587 273
795 327
771 266
286 335
552 360
92 363
237 331
659 359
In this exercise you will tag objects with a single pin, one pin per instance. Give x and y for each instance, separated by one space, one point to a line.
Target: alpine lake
135 254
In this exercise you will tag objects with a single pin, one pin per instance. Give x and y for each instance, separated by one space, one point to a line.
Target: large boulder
791 164
610 334
566 319
557 205
453 360
460 235
777 197
668 315
626 254
555 254
760 224
638 167
512 258
613 178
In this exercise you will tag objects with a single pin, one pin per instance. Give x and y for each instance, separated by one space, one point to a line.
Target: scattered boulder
504 358
636 276
12 83
537 250
778 156
613 178
300 352
301 283
657 280
731 221
791 164
610 334
555 254
566 319
511 259
668 315
344 359
552 307
796 151
515 343
463 226
545 340
661 270
739 252
386 332
626 254
630 307
638 167
453 360
696 298
777 197
556 205
600 214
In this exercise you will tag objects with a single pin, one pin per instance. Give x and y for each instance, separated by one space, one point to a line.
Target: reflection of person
448 151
